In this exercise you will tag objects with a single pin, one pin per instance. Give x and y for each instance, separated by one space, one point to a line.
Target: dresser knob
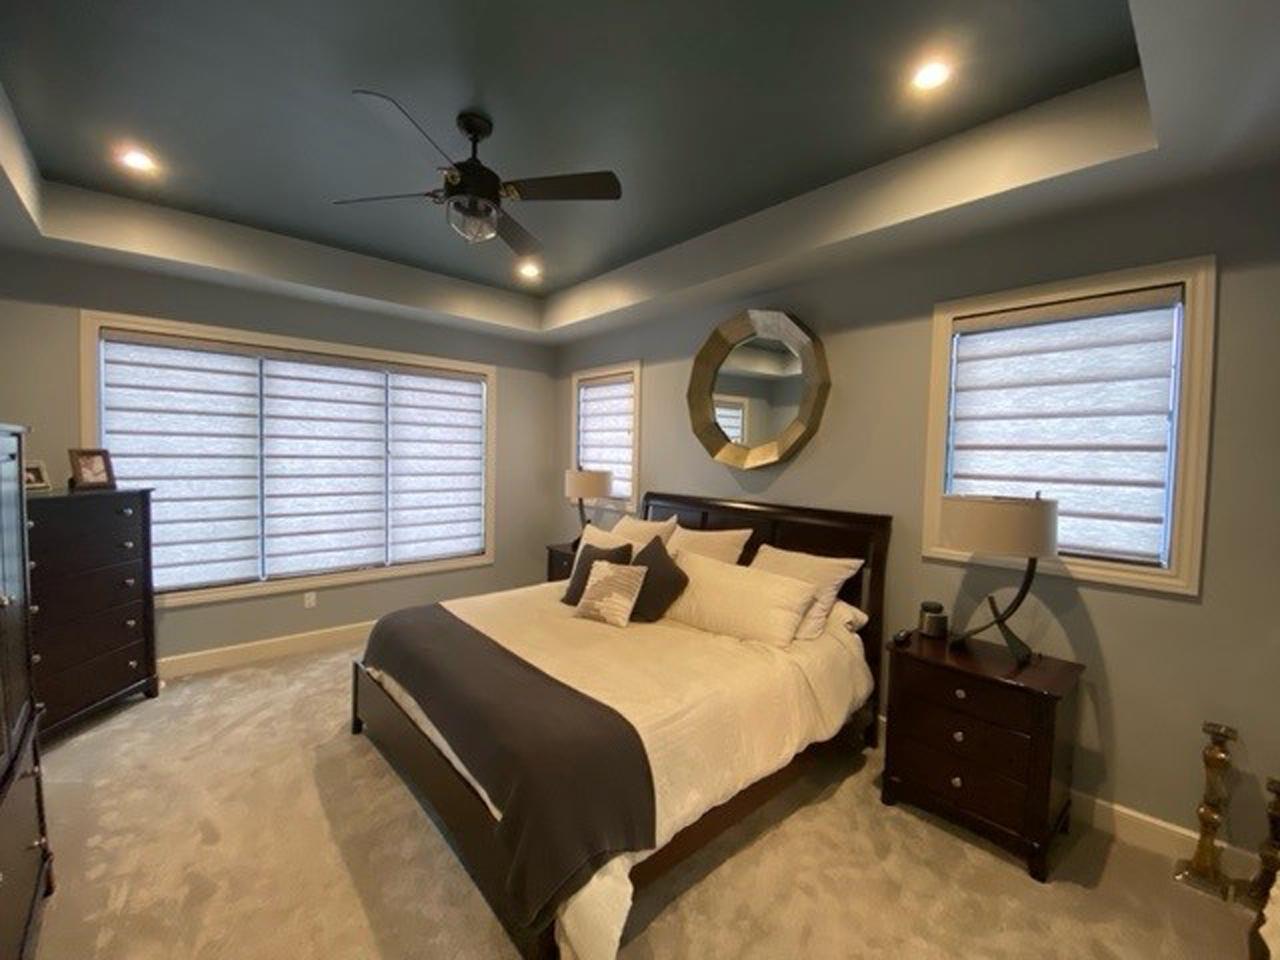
31 524
131 623
35 659
133 664
129 581
31 564
128 545
126 512
958 736
34 608
960 693
957 782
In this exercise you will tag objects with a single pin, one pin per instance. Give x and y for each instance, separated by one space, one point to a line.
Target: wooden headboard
831 533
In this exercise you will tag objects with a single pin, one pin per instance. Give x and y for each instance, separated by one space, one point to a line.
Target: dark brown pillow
662 585
582 570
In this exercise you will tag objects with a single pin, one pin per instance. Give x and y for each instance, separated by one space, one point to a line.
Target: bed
782 707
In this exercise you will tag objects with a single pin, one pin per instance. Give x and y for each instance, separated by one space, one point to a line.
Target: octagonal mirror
758 388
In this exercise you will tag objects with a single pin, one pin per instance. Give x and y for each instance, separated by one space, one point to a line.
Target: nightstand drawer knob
958 736
130 623
957 782
129 581
960 693
127 545
126 512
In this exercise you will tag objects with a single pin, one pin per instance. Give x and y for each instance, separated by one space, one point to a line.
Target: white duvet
715 715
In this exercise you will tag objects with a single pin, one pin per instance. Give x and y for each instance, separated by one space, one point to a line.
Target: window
606 426
1093 394
270 464
731 415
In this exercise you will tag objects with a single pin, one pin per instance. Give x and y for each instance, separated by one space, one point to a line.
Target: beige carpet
235 817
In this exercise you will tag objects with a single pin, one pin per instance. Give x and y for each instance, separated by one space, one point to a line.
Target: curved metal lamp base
1021 652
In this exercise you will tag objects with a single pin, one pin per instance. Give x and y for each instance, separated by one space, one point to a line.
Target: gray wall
39 386
1157 666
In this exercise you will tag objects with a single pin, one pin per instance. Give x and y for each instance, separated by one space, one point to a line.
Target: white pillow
740 601
595 537
846 617
642 531
827 574
723 545
611 592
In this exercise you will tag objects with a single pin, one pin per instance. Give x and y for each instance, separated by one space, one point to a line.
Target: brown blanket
569 773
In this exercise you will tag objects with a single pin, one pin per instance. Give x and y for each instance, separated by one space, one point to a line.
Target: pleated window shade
606 430
730 415
267 466
1076 402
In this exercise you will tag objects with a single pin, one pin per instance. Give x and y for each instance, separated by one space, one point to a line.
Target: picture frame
91 469
35 476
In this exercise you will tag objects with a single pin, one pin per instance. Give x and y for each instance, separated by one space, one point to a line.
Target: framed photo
34 475
91 470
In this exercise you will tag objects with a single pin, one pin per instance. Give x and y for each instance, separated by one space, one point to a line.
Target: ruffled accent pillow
611 593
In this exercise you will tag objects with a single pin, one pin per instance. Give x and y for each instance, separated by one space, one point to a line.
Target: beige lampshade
587 484
1000 526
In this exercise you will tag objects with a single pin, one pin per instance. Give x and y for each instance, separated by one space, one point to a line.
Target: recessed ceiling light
529 269
932 74
137 160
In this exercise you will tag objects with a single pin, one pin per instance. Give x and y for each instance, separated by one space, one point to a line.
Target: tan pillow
642 531
741 602
611 593
593 536
827 574
723 545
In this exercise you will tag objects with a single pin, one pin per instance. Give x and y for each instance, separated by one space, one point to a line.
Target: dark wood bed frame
463 816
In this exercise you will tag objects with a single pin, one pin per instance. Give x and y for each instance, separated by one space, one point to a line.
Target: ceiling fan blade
599 185
520 240
386 196
391 108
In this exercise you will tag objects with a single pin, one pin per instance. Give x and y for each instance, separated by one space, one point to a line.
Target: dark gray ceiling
707 110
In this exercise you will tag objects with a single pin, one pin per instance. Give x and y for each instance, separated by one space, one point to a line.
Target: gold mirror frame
775 325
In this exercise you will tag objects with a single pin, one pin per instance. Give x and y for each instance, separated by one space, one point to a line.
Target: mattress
715 714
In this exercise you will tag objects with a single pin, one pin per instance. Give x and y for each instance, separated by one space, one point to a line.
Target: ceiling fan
473 194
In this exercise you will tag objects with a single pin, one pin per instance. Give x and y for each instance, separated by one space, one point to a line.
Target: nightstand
987 745
560 560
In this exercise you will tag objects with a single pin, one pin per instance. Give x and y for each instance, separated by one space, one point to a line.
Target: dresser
25 860
986 744
92 623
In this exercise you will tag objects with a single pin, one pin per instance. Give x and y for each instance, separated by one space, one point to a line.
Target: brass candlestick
1256 891
1203 871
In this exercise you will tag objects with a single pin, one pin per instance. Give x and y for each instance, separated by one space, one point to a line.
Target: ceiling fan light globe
475 219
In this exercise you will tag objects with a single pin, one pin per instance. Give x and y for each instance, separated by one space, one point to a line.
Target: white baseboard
222 658
1146 832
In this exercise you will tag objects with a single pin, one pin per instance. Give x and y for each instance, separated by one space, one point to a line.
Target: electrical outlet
309 599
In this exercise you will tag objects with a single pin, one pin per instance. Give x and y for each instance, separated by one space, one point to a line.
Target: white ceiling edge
20 185
1095 125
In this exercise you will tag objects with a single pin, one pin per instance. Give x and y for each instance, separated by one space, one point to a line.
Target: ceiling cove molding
1098 124
1105 122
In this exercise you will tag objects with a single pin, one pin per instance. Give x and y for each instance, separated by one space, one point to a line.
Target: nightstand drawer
1004 706
962 783
948 731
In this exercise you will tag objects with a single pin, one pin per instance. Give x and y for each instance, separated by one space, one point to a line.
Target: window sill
1085 570
318 581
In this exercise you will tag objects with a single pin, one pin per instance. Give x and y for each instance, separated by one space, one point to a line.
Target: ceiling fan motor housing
474 179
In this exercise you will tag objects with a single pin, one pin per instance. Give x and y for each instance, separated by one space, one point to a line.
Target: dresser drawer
76 641
990 700
62 600
21 855
962 783
70 535
85 684
949 731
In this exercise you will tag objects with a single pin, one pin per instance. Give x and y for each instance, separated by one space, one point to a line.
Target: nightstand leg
1038 866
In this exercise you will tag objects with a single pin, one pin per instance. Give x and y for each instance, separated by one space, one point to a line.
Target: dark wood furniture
92 624
560 560
982 742
26 876
465 819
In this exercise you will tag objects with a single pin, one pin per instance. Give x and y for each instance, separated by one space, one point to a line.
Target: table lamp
583 485
1002 527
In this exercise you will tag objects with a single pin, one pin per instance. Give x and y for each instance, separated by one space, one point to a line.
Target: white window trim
597 373
91 324
1191 469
